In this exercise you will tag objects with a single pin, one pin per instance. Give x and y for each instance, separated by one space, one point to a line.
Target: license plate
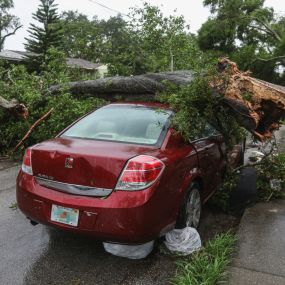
64 215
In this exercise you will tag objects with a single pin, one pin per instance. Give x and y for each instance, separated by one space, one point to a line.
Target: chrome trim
73 188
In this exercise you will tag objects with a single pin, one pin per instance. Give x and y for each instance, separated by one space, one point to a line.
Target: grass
207 266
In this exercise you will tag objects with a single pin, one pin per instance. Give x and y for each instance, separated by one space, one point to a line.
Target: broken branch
14 107
31 128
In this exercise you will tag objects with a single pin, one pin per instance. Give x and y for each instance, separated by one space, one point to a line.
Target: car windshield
122 123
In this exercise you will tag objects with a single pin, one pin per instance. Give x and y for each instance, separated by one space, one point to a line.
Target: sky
193 11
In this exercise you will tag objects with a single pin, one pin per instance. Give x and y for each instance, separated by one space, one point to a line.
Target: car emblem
69 162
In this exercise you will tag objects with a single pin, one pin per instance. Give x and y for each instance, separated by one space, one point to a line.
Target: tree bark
14 107
127 87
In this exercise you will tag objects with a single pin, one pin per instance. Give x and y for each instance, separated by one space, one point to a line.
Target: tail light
27 162
139 173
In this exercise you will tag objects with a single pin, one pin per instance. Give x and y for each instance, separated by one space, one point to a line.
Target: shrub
271 177
29 89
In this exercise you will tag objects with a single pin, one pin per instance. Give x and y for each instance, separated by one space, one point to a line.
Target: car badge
69 162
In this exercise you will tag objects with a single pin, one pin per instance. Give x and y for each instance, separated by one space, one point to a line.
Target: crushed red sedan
121 174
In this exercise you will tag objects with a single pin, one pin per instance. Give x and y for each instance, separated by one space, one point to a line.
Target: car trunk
95 163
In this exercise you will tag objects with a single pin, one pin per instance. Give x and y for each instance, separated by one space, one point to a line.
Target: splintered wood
258 105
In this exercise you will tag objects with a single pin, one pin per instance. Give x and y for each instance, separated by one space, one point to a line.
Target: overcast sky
193 11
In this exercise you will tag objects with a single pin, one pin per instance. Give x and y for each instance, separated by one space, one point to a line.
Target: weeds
207 266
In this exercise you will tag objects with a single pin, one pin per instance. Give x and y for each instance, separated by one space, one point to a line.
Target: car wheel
191 209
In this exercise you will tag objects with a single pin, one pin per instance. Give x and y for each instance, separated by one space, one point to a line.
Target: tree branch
10 34
268 28
31 128
282 57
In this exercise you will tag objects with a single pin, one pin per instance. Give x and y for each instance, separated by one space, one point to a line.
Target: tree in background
46 37
146 41
82 37
249 33
9 24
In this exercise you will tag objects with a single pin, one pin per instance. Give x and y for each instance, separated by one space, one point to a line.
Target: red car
121 174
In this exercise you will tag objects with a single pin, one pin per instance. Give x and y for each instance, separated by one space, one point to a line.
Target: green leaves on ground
208 266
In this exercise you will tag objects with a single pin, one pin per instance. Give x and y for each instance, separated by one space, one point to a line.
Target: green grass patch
207 266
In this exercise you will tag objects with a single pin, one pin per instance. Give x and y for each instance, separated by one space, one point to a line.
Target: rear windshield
122 123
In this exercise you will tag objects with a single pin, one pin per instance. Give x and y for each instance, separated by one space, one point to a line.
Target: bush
29 89
271 177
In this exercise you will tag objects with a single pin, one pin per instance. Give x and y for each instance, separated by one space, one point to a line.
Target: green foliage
83 38
30 89
196 105
147 41
208 266
221 199
249 33
46 37
9 23
271 177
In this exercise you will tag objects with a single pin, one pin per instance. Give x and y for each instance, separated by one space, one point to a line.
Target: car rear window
122 123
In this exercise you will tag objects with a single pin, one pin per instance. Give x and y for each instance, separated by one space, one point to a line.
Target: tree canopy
145 41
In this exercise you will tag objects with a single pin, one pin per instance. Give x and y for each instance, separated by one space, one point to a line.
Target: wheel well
199 181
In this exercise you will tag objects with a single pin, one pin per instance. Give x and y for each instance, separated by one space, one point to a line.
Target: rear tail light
27 162
139 173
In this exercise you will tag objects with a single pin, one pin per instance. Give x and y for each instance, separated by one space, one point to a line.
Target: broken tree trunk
146 85
14 107
257 105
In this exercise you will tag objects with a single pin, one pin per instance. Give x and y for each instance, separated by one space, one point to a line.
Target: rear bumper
126 217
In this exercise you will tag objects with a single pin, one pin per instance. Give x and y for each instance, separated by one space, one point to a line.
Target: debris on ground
14 107
129 251
183 241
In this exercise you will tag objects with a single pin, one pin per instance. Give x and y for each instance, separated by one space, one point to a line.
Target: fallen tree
257 105
14 107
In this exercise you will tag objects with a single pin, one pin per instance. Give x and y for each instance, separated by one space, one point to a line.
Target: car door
210 150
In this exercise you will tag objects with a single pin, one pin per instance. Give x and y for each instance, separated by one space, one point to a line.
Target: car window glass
122 123
205 131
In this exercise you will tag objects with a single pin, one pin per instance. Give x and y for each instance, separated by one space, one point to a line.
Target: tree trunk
257 105
127 87
14 107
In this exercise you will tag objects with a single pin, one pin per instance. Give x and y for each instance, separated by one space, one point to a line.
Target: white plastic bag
183 241
129 251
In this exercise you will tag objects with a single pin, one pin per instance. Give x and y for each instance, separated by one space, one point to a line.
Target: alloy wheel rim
193 209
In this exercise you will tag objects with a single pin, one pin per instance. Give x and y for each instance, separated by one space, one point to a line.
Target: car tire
191 208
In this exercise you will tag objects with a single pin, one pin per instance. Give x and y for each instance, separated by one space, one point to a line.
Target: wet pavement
260 255
41 255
